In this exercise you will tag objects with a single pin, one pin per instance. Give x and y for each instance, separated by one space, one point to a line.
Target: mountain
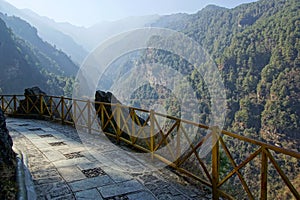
92 36
15 64
57 61
47 31
256 47
24 64
74 40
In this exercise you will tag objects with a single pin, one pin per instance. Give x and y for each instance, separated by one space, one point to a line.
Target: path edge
25 184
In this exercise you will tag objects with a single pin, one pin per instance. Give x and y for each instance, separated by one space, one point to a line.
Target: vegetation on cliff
27 61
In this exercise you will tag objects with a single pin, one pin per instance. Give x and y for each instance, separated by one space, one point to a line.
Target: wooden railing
207 170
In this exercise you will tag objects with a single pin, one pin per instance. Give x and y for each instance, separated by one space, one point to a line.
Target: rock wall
8 186
33 99
108 97
7 155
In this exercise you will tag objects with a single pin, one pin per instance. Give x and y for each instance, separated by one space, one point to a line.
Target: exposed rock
132 126
32 97
7 155
34 91
108 97
8 187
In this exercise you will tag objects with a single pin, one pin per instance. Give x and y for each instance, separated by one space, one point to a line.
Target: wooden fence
156 136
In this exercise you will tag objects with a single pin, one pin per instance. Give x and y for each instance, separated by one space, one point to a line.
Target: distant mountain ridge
47 31
91 37
76 41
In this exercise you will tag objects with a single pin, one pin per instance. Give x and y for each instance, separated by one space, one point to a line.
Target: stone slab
126 162
53 190
145 195
71 150
42 145
71 162
53 155
71 173
84 166
89 183
120 188
117 175
92 194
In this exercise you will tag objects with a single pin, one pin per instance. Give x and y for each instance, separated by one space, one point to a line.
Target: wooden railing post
15 105
118 120
27 103
2 103
51 108
133 118
74 112
62 103
41 104
215 163
102 115
264 175
89 117
152 141
178 142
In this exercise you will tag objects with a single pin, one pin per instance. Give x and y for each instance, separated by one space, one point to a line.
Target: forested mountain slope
57 61
24 64
257 49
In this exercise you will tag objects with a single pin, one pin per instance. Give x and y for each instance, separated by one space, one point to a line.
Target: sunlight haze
87 13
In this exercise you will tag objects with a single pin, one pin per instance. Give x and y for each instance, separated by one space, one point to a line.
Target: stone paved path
63 168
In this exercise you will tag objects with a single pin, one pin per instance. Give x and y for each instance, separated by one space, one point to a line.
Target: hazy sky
88 12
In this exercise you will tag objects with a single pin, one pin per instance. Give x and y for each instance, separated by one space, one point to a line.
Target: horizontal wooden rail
122 123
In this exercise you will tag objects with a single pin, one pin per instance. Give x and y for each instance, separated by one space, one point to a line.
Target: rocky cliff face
8 189
32 96
7 156
109 114
108 97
